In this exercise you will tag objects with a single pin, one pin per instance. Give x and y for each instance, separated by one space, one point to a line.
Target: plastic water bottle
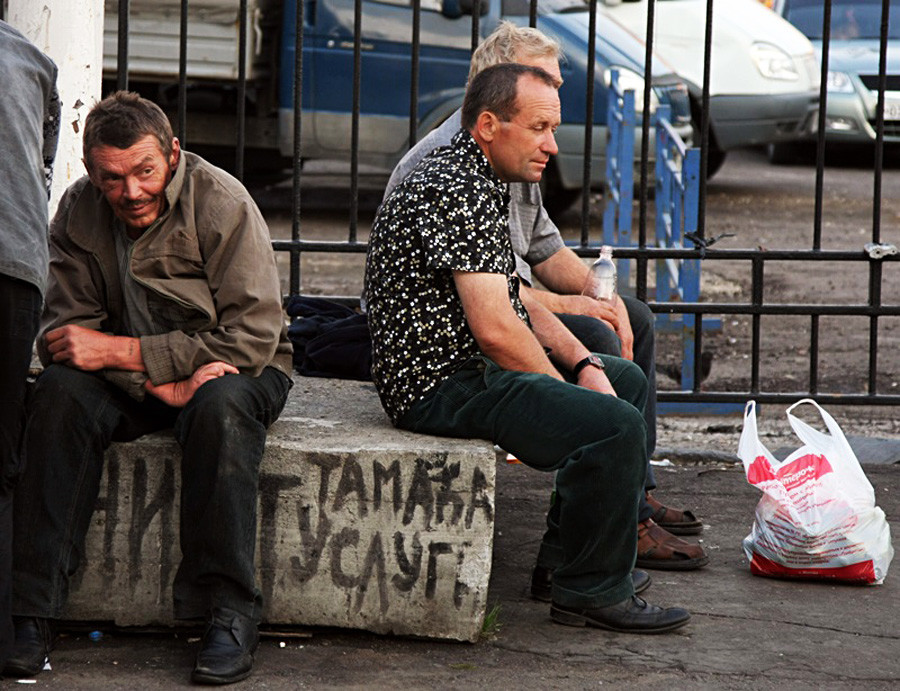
601 282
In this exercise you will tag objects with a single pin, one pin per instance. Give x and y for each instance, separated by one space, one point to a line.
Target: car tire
557 199
715 159
782 153
791 153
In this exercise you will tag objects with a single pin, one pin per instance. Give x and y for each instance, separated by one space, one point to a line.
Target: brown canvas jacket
207 263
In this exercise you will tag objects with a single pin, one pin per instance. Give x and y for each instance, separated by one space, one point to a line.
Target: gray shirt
534 236
29 113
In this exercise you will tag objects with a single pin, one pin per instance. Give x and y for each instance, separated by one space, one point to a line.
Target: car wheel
715 159
557 199
786 153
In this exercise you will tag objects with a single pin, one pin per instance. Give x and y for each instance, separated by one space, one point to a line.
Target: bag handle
844 457
810 435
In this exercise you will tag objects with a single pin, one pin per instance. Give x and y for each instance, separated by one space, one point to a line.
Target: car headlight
773 63
839 82
628 79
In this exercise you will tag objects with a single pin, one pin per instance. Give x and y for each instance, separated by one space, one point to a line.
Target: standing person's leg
596 443
72 418
222 432
20 311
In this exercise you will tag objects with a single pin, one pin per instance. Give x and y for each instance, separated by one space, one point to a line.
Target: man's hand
90 350
589 307
177 394
626 336
595 380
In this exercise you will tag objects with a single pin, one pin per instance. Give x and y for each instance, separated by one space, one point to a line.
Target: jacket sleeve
242 277
74 295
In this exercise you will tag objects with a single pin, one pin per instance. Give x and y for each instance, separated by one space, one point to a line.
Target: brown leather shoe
659 549
674 521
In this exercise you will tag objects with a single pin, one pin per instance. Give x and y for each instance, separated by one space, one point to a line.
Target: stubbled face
521 148
133 180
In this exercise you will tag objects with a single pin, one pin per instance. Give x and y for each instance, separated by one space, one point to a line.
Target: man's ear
175 155
87 166
487 125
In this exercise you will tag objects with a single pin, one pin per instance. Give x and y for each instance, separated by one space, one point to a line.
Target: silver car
850 113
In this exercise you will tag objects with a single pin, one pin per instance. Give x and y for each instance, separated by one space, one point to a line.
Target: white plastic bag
817 517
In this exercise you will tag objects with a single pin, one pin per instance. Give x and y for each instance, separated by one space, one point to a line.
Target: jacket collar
92 221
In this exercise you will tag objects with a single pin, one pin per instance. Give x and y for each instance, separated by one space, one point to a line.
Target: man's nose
132 188
549 145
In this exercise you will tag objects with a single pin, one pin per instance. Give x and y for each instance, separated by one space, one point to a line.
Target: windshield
850 19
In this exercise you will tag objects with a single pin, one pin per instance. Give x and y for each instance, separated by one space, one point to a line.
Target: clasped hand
178 393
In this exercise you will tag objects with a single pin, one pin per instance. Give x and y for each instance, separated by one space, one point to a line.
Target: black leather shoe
632 615
226 651
35 638
542 583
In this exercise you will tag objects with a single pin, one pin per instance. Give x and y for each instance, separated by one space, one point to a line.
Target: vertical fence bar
122 47
814 354
704 119
476 27
820 130
241 93
414 72
299 14
875 267
640 280
757 293
588 124
354 126
879 120
182 73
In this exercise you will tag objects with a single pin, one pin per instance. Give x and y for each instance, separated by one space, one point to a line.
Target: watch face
595 361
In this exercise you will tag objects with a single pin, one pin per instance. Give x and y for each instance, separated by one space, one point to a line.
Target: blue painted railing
617 216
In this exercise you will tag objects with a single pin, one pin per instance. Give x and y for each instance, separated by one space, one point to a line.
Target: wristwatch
592 360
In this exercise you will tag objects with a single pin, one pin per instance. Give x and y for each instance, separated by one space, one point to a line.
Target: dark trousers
594 442
598 338
20 311
73 417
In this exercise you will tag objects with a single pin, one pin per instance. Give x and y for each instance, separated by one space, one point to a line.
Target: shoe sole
672 564
11 671
208 680
574 619
682 528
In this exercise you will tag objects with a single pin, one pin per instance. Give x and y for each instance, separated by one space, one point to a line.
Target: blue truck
213 63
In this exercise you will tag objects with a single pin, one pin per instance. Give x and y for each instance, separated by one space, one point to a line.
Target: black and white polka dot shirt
449 214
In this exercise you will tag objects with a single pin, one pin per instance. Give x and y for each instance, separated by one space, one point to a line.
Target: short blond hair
508 43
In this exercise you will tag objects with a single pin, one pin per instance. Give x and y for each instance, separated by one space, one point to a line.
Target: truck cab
385 75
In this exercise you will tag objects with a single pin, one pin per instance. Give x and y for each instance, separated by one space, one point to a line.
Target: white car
764 75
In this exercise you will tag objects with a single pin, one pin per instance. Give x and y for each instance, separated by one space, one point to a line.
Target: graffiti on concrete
373 528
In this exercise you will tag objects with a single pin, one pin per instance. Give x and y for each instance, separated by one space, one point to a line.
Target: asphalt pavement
746 632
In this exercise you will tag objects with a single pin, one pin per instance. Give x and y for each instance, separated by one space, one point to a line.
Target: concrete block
360 525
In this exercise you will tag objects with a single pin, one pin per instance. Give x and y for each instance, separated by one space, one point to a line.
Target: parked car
327 102
764 76
853 57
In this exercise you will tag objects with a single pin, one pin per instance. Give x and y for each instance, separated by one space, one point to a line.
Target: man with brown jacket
163 310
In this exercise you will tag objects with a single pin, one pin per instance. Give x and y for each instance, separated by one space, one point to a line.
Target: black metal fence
876 259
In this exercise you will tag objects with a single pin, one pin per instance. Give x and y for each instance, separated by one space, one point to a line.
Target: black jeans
599 338
20 311
594 442
73 417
